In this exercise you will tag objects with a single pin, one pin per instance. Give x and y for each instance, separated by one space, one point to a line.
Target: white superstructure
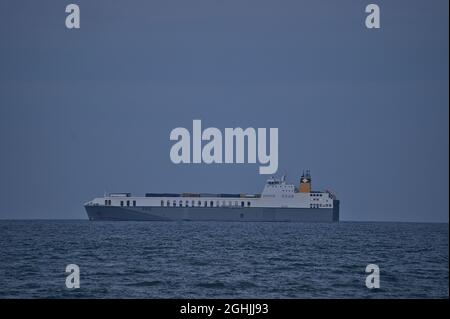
276 194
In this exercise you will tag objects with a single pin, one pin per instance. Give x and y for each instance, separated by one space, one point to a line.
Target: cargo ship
279 201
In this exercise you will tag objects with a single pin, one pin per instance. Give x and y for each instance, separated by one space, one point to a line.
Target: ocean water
222 260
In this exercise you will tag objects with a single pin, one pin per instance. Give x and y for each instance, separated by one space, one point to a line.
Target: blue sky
88 110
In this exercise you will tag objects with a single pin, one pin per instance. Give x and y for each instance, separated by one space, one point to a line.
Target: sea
223 259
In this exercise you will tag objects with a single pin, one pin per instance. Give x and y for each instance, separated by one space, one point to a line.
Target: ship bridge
278 187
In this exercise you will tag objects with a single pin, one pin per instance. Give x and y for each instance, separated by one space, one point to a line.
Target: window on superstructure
106 202
211 203
193 203
134 203
206 204
168 203
128 203
242 204
162 202
181 203
121 203
199 203
248 204
186 204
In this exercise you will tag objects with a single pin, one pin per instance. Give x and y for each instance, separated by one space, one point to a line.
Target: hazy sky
88 110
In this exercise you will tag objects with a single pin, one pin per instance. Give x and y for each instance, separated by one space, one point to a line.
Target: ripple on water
145 283
201 259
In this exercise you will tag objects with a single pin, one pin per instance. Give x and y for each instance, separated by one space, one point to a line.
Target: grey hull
213 214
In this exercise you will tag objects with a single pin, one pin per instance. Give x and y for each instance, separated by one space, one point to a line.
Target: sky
87 111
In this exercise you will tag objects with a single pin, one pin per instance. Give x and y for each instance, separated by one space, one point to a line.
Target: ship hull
114 213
